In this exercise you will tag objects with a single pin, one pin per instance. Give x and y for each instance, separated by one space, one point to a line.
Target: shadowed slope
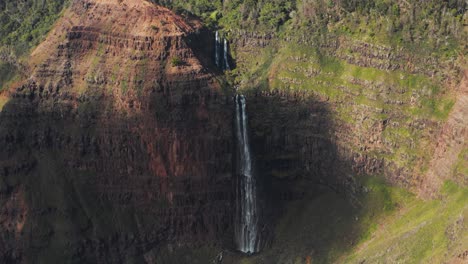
109 151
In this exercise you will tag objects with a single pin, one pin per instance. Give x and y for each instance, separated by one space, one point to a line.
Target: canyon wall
338 107
118 144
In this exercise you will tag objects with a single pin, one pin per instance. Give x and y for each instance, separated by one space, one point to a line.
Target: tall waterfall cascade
246 227
247 215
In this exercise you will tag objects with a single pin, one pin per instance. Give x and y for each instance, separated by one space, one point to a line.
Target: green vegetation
266 15
176 61
461 166
374 76
7 72
23 25
419 231
327 228
141 70
431 25
124 85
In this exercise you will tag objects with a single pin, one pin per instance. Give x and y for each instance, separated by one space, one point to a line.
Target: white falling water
247 215
217 44
225 55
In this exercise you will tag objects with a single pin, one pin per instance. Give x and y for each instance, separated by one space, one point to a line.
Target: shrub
176 61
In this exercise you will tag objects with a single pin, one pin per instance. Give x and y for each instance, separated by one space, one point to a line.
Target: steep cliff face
382 107
119 147
332 112
119 142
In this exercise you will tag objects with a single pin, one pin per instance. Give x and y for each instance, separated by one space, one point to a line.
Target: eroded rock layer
119 142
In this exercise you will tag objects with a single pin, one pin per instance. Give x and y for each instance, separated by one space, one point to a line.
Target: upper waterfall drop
217 44
221 52
246 227
225 53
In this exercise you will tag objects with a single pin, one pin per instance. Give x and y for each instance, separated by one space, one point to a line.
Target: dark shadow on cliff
82 180
101 184
87 179
313 202
202 44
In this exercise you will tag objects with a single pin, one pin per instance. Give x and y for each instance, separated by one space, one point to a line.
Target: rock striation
119 143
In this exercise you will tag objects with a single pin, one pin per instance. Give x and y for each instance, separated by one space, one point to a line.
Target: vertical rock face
296 147
120 141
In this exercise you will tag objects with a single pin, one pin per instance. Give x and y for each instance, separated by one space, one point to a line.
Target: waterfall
217 44
225 52
247 215
246 233
221 52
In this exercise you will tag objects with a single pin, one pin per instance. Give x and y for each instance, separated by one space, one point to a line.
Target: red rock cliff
120 141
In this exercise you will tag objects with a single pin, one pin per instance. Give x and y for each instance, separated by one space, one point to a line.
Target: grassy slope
420 232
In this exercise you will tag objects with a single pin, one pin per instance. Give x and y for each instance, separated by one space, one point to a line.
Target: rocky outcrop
451 148
110 150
